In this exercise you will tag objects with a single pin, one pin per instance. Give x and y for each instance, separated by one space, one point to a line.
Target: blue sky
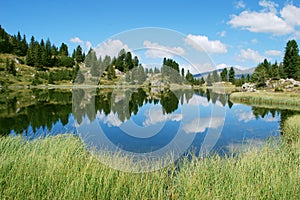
237 33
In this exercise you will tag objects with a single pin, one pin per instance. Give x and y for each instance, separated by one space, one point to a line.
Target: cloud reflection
199 125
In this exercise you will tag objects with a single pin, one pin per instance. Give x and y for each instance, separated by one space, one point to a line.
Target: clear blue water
137 122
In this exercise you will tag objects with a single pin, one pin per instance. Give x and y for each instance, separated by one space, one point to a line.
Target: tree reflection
42 108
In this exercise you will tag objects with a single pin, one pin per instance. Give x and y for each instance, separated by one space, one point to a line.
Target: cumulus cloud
267 20
203 44
268 5
76 40
249 54
155 50
111 120
86 45
110 48
244 116
273 53
261 22
156 115
291 14
197 101
199 125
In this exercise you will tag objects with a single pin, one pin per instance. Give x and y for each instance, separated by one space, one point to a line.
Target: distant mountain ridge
238 72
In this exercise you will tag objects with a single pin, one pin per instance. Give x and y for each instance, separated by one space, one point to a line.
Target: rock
248 87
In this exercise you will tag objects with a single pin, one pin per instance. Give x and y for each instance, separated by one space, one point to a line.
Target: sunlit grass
62 168
291 128
284 100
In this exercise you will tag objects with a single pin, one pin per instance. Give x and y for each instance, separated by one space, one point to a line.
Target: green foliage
11 67
63 50
111 74
278 89
5 45
79 77
60 75
274 71
231 75
189 77
262 73
202 81
215 76
66 61
182 72
291 60
209 80
78 55
171 63
224 75
92 63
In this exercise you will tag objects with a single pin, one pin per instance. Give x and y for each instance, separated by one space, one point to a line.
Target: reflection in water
50 111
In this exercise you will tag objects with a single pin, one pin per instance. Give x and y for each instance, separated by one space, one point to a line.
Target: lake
140 120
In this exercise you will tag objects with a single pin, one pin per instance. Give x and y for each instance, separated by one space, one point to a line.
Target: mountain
238 72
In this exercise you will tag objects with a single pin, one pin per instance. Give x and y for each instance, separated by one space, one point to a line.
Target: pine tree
224 75
275 71
231 75
182 72
78 54
209 80
215 76
202 81
12 68
291 60
63 50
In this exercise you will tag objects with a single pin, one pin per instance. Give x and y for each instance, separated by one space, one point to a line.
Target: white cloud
199 125
261 22
203 44
268 5
197 101
240 4
273 53
269 118
155 50
244 116
155 115
267 20
110 120
291 14
110 48
86 45
76 40
250 54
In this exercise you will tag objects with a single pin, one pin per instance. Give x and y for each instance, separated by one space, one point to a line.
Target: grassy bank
61 168
291 129
282 100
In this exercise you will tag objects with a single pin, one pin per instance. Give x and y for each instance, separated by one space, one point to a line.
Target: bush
278 89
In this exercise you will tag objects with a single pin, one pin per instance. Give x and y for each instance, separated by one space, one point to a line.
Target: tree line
39 54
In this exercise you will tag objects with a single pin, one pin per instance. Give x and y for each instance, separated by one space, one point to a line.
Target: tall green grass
285 100
291 128
62 168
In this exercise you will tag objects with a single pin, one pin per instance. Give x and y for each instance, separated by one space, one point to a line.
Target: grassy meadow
61 168
281 100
